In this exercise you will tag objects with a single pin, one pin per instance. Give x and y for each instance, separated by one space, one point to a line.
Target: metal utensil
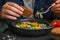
40 14
48 8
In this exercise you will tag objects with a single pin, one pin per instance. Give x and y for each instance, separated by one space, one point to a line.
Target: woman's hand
11 11
56 8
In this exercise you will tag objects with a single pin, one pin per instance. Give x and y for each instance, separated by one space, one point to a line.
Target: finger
15 5
57 2
10 17
57 6
13 9
9 12
56 11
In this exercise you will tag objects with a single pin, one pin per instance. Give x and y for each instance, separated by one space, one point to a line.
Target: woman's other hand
56 9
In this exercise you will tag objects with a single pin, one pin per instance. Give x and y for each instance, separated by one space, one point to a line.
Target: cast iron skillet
31 33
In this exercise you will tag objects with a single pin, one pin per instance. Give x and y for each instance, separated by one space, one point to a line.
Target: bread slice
56 33
27 12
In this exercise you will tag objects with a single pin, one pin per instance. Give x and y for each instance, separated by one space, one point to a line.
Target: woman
11 9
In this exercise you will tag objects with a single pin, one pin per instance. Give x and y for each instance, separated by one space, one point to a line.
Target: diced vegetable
31 25
55 23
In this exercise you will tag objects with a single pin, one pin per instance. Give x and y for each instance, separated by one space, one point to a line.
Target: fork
48 8
39 14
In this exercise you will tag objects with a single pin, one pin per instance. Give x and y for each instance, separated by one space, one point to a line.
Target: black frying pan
31 33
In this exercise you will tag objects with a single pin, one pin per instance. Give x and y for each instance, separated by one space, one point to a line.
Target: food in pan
31 25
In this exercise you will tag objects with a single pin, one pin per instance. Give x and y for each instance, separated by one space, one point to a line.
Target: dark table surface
9 35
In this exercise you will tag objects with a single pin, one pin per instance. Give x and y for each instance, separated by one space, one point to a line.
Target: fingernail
53 4
22 9
21 13
15 18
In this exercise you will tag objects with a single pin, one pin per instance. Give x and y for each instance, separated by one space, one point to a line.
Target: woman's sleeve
3 25
0 5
